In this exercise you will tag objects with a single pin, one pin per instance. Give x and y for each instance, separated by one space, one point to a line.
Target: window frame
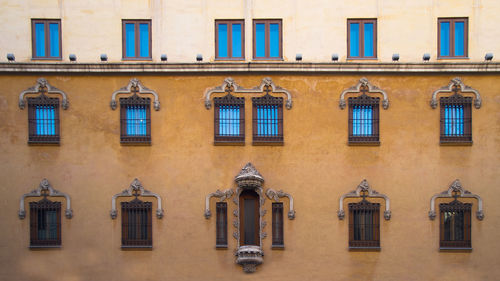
278 239
33 137
267 100
452 21
126 209
229 23
229 100
466 137
46 23
221 225
375 212
44 204
136 23
463 244
249 194
132 100
267 22
361 22
364 100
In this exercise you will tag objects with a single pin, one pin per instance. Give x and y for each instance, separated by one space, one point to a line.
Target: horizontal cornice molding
269 67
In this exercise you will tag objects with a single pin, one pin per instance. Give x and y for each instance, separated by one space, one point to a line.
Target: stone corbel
41 84
364 186
456 82
363 82
45 186
223 195
134 82
229 82
276 195
456 187
135 186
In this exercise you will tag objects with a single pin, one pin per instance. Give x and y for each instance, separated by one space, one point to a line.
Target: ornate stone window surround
136 185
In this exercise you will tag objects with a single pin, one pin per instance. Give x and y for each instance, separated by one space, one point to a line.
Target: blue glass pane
267 120
136 120
54 39
368 40
144 40
40 39
45 120
274 40
236 36
130 40
229 120
444 40
222 41
459 39
362 120
454 120
354 40
260 40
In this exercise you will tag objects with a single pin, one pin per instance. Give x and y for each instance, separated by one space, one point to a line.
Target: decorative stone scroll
44 189
364 186
42 86
135 86
276 195
456 190
135 189
223 195
363 83
454 85
231 84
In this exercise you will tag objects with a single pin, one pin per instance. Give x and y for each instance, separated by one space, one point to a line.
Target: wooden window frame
365 244
35 207
221 225
464 244
126 139
267 45
229 40
365 100
46 23
361 23
466 138
278 241
126 210
33 137
267 100
452 38
229 100
248 194
136 39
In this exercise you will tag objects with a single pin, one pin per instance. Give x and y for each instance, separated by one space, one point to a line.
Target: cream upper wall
314 28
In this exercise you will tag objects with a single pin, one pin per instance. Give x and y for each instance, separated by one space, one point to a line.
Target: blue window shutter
459 38
274 40
354 40
444 38
236 38
130 39
54 40
144 40
40 39
223 40
260 40
368 40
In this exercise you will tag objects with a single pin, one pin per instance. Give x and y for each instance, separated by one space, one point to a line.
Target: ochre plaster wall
315 165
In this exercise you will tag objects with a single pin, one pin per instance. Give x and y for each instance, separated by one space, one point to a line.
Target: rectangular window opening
364 225
45 224
268 37
456 120
221 225
453 37
267 120
136 39
135 120
136 224
363 120
46 38
229 40
362 38
277 227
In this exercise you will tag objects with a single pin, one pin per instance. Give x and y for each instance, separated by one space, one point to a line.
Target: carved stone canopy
454 86
135 87
364 190
249 177
42 86
363 85
45 189
135 189
456 190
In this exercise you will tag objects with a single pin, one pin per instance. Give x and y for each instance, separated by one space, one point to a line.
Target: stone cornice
268 67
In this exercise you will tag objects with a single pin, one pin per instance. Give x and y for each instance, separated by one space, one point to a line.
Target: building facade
235 140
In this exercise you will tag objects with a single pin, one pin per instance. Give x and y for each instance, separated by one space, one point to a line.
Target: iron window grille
267 119
277 225
46 39
43 120
136 224
455 225
229 119
221 225
136 39
363 119
364 225
135 119
45 223
456 118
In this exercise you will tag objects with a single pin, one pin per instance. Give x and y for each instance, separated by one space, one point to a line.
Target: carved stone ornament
456 190
249 257
364 186
363 82
276 195
229 83
43 86
44 188
135 86
223 195
135 188
456 83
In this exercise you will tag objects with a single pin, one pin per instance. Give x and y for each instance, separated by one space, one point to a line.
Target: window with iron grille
278 241
229 120
267 119
136 224
46 39
455 224
135 120
363 119
364 225
43 119
221 224
456 119
45 223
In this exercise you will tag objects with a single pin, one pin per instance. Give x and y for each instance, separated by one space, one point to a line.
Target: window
278 241
229 119
267 39
456 119
455 225
363 119
136 224
45 223
362 38
364 226
452 37
249 218
267 119
136 39
221 224
135 119
229 39
43 120
46 38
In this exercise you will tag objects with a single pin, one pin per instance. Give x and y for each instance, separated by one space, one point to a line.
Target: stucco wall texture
315 165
